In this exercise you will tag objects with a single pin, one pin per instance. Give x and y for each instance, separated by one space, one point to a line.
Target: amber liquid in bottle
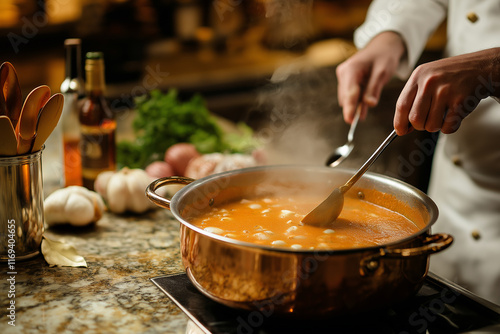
72 161
97 126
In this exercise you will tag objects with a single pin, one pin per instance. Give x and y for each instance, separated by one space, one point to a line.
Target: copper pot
301 283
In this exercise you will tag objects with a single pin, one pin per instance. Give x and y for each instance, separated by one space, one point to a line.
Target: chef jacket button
475 235
472 17
456 160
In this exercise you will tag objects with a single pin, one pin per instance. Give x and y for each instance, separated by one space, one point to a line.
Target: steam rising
303 115
299 104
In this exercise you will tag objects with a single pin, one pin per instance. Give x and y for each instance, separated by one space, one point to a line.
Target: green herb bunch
162 120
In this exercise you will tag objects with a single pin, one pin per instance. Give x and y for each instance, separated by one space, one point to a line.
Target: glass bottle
74 91
97 126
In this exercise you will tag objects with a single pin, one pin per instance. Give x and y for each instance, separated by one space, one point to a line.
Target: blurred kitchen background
268 63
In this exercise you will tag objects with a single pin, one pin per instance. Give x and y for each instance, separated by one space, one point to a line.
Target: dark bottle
97 126
74 91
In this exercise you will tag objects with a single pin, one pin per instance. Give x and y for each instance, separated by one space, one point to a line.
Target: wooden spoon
3 104
26 127
8 145
10 93
47 120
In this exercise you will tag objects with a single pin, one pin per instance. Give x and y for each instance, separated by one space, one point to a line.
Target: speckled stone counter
114 294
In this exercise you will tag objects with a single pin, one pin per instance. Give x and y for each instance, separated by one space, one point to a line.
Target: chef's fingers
437 110
364 111
348 91
457 110
379 76
343 77
350 101
452 121
403 107
420 109
454 116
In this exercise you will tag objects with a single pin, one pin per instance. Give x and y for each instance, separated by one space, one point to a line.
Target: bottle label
97 148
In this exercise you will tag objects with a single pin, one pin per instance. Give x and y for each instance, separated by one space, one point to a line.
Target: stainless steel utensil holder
21 206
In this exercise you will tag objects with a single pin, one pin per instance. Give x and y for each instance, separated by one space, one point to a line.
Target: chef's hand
368 71
440 94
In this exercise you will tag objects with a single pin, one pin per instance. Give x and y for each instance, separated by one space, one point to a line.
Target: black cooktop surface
439 307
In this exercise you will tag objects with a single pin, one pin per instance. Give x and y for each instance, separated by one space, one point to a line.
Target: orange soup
276 222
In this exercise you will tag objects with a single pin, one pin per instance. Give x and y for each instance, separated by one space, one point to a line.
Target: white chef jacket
465 178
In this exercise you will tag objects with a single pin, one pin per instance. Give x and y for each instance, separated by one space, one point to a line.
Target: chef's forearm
482 68
495 74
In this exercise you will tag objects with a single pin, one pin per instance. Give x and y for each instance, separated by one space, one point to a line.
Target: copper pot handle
164 181
432 244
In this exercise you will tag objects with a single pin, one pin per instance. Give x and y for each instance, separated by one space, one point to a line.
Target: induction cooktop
440 307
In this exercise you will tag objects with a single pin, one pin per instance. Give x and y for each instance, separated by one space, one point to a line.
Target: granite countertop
114 293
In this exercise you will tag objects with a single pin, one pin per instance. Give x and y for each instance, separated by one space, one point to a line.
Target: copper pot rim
192 184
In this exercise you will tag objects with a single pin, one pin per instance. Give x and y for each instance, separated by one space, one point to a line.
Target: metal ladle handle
369 162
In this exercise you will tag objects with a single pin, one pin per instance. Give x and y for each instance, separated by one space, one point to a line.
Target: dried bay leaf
60 254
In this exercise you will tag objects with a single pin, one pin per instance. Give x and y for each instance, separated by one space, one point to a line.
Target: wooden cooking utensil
3 77
8 142
26 127
10 93
47 120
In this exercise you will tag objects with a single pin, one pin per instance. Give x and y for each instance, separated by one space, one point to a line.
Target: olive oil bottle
97 126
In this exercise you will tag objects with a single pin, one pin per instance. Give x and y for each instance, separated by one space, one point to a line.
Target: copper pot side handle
432 244
164 181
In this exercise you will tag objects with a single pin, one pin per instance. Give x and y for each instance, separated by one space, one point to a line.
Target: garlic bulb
213 163
75 205
125 190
